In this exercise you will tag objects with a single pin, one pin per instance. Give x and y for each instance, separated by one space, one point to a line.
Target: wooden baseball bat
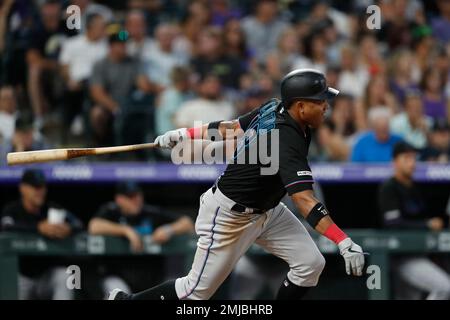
66 154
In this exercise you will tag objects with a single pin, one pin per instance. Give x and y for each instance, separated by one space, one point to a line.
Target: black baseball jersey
402 206
244 183
16 218
145 222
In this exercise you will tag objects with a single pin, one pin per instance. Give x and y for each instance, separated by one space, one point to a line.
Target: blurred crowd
137 68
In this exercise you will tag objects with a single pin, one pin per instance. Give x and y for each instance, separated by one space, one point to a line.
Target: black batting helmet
305 84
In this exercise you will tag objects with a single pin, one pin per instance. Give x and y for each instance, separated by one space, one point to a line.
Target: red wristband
194 133
335 234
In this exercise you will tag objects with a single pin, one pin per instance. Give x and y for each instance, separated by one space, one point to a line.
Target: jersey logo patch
304 173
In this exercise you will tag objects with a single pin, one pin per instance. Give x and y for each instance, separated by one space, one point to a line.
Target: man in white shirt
138 43
78 56
208 107
162 58
80 53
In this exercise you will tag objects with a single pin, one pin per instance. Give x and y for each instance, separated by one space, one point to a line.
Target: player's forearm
182 225
317 216
100 226
216 130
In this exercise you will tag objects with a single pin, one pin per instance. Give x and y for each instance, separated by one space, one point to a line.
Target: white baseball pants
225 235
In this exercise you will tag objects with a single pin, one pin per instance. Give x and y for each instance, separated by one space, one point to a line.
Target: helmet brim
329 94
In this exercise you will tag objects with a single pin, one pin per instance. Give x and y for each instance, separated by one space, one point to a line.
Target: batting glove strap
353 256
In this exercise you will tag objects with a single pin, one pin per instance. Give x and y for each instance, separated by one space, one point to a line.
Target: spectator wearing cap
208 107
402 207
33 214
129 217
438 148
24 138
376 145
412 124
111 85
77 59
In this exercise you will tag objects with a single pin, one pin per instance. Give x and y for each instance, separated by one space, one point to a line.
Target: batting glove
169 139
353 256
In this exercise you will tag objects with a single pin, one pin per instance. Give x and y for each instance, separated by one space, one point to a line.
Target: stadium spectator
412 124
422 46
192 23
222 12
139 42
353 77
287 53
128 216
337 135
376 144
400 73
332 146
162 56
17 20
77 58
211 58
235 44
8 108
403 207
208 107
25 138
438 147
88 8
376 94
436 105
112 82
5 8
343 116
263 28
254 97
396 32
315 53
370 54
441 23
172 98
44 82
32 214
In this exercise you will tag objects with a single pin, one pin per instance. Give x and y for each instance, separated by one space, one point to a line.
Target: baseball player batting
243 206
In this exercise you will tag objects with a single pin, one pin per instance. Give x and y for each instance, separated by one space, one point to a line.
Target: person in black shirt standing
402 207
32 214
128 216
244 206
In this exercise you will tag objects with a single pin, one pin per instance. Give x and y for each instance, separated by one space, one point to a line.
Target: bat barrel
36 156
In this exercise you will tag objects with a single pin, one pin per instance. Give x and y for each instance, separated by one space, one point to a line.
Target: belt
241 208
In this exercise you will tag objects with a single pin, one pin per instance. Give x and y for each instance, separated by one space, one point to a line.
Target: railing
380 244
